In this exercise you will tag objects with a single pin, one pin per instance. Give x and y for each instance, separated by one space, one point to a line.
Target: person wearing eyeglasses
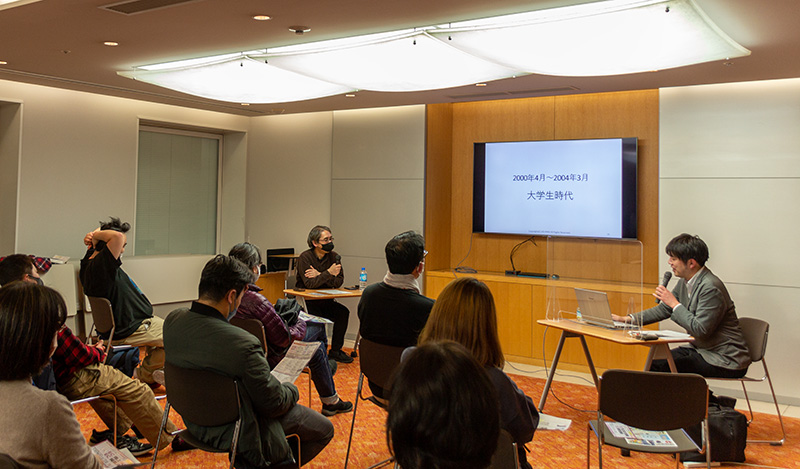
394 312
321 267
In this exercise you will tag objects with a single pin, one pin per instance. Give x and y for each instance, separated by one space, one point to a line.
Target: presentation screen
577 188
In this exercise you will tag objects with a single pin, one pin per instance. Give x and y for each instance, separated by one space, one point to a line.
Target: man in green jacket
200 337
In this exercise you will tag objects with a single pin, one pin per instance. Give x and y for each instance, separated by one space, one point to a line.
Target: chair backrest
378 361
253 326
202 397
505 456
653 401
755 335
102 314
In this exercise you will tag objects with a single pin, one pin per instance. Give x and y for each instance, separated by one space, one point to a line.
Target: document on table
548 422
669 334
334 292
636 436
110 456
297 357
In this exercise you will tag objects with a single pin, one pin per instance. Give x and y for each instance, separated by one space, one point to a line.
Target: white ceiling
60 43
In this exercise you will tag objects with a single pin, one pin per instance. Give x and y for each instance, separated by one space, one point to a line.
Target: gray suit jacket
709 315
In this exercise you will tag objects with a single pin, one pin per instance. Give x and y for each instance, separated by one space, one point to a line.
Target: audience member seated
465 312
80 373
39 428
280 335
102 276
443 413
320 267
393 312
200 337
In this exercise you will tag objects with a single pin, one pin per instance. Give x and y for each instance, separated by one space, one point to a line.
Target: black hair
404 252
248 253
116 225
221 275
315 234
686 246
15 267
30 315
443 410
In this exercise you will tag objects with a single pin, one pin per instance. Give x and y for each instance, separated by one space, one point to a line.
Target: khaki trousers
150 335
136 403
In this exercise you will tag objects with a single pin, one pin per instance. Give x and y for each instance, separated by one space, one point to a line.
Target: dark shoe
333 366
98 437
339 356
179 444
136 447
339 408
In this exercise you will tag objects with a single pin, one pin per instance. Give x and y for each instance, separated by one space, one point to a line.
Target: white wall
359 172
78 160
730 173
77 166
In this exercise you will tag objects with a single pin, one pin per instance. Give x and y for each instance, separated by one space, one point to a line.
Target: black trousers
336 312
689 360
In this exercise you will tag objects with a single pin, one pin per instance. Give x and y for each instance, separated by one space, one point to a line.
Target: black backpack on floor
728 430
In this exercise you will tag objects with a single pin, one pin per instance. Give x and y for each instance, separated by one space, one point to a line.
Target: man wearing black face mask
320 267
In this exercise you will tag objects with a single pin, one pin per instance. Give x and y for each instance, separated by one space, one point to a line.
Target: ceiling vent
134 7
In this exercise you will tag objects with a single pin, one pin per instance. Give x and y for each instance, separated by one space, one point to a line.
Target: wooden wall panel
449 213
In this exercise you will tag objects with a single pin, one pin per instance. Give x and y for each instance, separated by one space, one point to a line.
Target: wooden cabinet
522 301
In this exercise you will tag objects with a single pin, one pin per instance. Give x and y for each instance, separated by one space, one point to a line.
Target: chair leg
777 410
353 423
160 431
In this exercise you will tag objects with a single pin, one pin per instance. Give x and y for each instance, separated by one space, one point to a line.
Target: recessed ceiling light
349 96
299 30
262 17
245 104
111 44
480 84
3 62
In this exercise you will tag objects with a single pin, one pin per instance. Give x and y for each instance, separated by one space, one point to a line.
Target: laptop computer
595 309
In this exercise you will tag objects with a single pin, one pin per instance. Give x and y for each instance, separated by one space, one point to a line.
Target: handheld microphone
665 280
338 260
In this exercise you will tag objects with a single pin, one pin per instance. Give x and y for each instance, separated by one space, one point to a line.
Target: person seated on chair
427 426
280 335
465 312
200 337
39 428
393 312
320 267
102 276
80 373
699 303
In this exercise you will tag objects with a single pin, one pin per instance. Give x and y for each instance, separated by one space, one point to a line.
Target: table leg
590 362
553 366
662 350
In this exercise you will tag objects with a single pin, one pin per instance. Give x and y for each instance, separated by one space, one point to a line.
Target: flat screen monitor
574 188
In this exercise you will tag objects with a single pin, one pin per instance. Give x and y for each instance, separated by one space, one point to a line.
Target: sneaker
136 447
99 437
340 407
340 356
179 444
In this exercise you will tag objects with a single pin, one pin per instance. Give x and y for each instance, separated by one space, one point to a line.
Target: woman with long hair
465 313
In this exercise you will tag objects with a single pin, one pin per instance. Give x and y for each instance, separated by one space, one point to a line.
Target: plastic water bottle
362 278
578 314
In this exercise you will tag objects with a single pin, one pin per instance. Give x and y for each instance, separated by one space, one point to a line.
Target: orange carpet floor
549 449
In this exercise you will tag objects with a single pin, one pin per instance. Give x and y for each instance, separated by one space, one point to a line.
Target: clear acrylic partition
612 266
